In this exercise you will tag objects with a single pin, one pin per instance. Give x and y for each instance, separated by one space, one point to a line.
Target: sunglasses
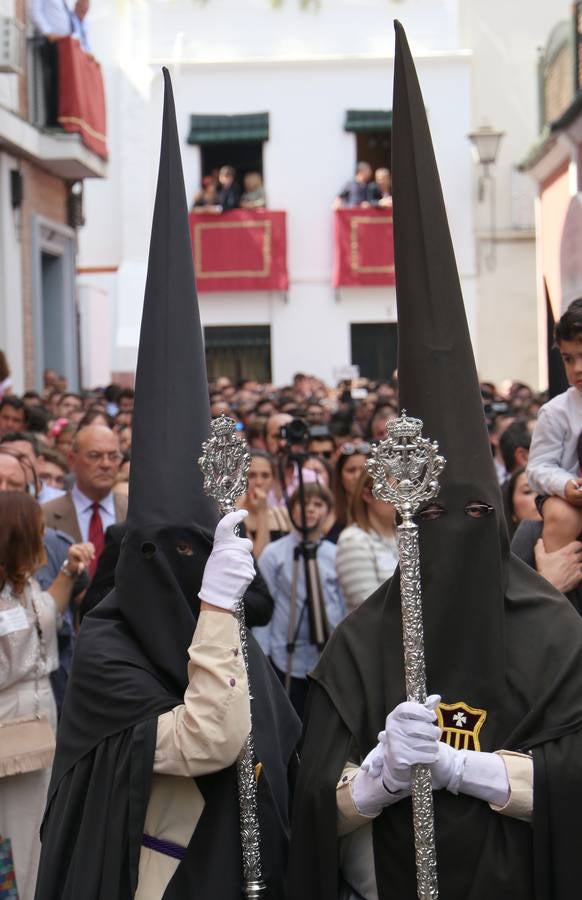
351 449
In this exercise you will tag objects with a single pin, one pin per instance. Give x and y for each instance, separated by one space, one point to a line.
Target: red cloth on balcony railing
363 247
81 96
241 250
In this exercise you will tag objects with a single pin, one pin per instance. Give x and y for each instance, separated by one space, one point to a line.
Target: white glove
230 567
481 775
411 737
368 793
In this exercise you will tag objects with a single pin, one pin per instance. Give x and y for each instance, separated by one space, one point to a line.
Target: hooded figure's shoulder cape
99 792
480 853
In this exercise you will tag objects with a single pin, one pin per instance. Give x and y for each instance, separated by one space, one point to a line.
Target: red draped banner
240 250
82 96
363 247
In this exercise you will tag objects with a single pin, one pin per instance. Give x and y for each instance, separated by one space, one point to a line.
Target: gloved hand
230 567
368 793
411 737
447 768
481 775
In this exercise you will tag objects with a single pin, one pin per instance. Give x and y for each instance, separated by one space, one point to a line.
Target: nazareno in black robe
481 854
497 637
130 667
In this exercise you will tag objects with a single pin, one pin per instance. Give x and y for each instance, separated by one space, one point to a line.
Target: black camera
495 408
296 431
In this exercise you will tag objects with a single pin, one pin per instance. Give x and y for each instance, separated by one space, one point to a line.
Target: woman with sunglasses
349 465
367 553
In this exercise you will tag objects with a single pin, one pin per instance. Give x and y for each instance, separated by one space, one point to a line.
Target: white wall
476 62
306 160
11 313
505 37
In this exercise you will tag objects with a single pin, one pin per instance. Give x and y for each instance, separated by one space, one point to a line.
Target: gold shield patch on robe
460 725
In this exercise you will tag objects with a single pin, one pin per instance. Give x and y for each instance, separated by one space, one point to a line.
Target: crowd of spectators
220 192
71 453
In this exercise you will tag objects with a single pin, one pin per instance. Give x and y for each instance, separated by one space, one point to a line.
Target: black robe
130 667
481 854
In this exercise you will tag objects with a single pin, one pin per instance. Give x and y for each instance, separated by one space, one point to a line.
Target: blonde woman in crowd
367 552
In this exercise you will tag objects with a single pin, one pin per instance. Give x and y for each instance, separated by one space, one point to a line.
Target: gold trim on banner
74 120
354 245
243 273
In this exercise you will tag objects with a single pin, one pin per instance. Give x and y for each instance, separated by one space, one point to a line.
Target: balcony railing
363 247
81 95
240 250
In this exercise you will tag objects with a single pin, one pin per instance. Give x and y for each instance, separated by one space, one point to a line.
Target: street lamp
485 142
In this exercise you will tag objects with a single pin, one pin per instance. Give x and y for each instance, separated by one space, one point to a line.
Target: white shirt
84 510
81 32
553 455
50 16
364 561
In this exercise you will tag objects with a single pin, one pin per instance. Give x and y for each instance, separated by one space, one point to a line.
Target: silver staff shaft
224 462
405 469
414 671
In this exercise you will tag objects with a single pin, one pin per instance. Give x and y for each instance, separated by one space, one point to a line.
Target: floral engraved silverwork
225 463
405 468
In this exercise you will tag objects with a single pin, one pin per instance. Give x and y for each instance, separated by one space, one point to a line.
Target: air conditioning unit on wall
11 46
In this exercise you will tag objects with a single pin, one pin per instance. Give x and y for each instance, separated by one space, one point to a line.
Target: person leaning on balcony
206 196
228 194
360 191
80 28
52 19
254 192
384 185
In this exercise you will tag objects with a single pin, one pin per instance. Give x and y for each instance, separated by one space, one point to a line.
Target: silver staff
405 469
225 463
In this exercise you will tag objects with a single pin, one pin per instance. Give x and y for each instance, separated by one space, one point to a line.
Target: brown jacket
60 514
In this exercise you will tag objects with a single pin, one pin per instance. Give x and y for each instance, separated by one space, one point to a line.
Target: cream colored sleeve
206 732
348 816
520 775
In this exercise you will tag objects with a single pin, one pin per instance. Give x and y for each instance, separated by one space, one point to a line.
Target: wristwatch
66 570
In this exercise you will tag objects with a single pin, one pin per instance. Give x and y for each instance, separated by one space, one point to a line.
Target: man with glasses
91 506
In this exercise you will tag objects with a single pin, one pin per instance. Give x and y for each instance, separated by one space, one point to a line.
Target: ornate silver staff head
225 463
405 466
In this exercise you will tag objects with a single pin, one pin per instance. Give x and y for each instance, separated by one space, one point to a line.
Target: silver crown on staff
224 463
405 466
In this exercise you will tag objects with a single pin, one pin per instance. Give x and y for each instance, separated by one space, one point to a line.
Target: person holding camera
286 440
289 640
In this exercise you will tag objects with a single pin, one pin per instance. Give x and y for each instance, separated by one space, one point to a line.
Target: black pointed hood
463 559
436 369
172 414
